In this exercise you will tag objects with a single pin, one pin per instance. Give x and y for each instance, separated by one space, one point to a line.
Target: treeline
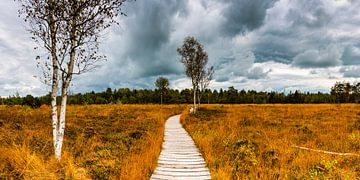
344 92
341 92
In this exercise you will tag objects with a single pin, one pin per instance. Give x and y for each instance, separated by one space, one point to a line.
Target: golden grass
101 142
255 141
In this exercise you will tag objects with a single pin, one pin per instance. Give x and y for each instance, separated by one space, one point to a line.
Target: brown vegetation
101 142
259 141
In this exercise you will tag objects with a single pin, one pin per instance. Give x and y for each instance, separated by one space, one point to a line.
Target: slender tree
194 59
162 84
206 77
69 31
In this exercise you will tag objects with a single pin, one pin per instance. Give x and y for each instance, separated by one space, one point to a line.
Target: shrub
32 102
242 156
324 169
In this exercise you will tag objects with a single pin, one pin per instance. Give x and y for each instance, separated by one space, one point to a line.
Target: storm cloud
146 41
252 44
351 55
351 71
241 16
257 73
327 57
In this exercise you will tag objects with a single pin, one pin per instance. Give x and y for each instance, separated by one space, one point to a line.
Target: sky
264 45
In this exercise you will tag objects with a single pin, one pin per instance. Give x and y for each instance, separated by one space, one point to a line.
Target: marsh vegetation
101 142
258 141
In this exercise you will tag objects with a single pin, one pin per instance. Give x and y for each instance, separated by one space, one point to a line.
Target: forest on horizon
341 92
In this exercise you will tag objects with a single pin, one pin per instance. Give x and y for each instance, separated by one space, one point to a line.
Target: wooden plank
158 176
182 174
180 163
182 169
181 160
179 166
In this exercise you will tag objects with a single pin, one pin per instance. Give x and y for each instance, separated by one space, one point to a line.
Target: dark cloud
327 57
310 13
244 15
238 64
257 73
273 48
297 31
351 55
243 38
350 71
147 41
222 78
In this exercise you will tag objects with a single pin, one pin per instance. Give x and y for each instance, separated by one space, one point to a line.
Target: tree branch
325 152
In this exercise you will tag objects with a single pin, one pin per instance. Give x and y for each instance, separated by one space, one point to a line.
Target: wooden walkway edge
179 157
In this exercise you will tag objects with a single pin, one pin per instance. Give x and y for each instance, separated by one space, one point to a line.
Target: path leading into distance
179 157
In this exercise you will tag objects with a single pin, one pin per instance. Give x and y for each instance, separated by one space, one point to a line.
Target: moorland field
261 141
101 141
237 141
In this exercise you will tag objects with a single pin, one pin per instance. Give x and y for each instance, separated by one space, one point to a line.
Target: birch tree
205 79
69 32
194 59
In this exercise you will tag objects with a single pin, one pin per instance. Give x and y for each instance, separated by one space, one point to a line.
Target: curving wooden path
179 158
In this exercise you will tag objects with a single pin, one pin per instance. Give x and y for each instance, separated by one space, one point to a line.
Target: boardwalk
179 158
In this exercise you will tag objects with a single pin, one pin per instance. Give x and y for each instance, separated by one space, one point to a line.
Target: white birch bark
54 118
66 79
55 81
61 128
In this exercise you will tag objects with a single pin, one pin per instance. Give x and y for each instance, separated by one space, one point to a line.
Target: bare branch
325 152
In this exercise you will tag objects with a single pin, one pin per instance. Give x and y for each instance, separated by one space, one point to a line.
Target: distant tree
205 79
132 100
69 30
341 92
194 59
124 100
356 92
231 95
186 96
108 95
162 85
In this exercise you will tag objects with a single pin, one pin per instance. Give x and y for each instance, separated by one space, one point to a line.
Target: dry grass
101 142
255 141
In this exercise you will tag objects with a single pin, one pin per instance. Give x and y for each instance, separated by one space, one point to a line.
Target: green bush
32 102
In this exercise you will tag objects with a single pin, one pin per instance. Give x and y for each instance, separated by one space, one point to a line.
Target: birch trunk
61 128
55 80
54 115
66 79
194 98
